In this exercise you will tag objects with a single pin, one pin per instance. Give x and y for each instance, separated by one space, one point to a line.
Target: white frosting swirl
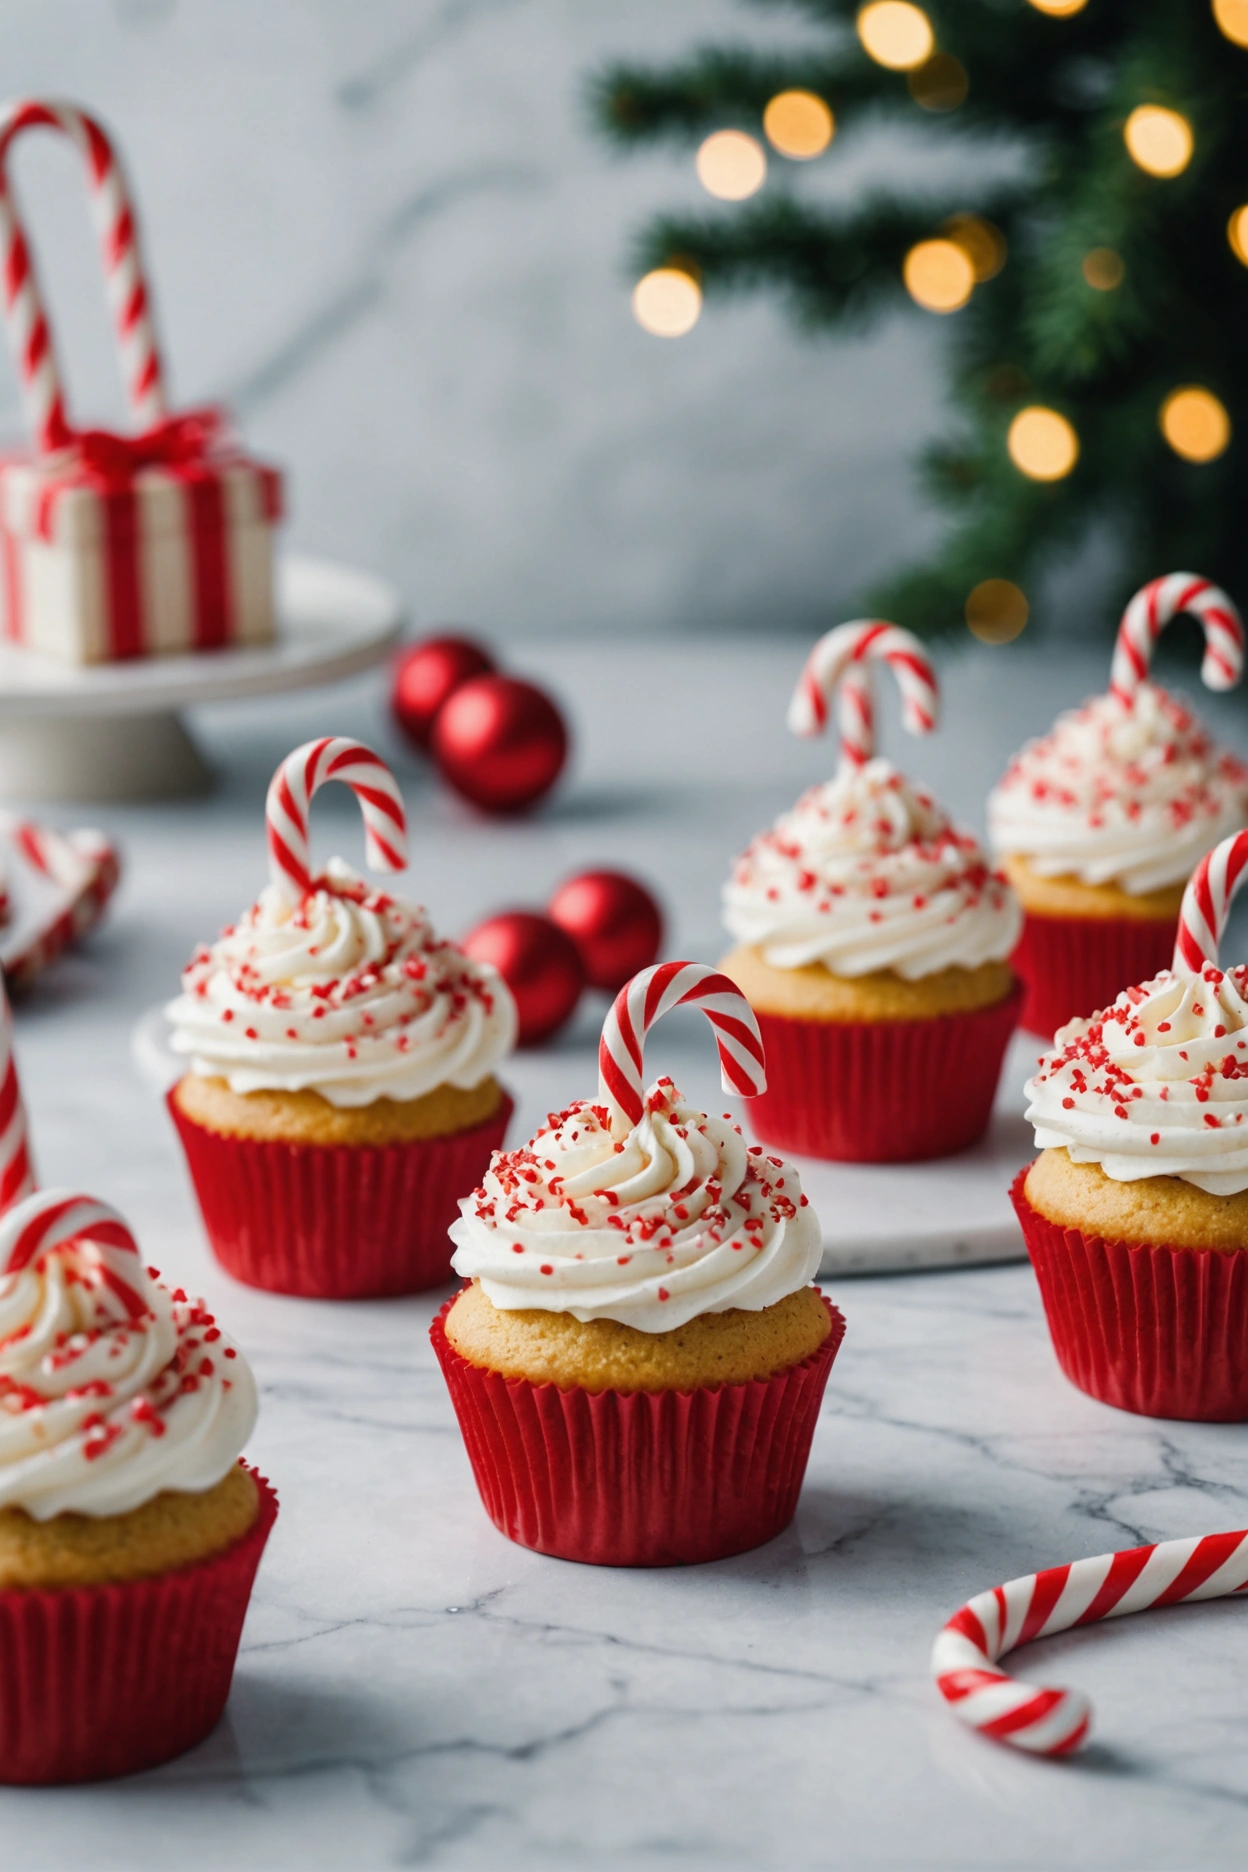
112 1389
674 1219
1157 1085
348 993
867 872
1112 795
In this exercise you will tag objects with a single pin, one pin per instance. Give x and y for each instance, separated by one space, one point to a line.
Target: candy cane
841 660
49 1219
29 332
1055 1722
648 996
17 1177
290 795
1207 902
1147 616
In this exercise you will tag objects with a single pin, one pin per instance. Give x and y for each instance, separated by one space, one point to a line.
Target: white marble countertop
412 1689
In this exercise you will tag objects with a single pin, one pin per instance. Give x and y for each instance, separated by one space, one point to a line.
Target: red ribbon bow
180 441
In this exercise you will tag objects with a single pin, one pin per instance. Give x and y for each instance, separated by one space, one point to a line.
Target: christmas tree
1096 298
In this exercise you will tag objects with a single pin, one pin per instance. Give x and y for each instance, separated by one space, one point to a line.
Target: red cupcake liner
641 1478
335 1221
881 1091
1077 965
97 1681
1157 1330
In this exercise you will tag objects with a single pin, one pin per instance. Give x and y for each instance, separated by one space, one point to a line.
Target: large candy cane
1147 616
1207 902
621 1065
290 796
17 1177
841 661
29 332
1056 1722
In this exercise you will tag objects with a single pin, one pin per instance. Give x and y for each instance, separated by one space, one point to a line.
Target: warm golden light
938 275
1237 234
940 83
1159 140
1059 9
731 165
981 242
997 611
896 34
1232 17
667 302
1102 268
1042 444
799 125
1195 423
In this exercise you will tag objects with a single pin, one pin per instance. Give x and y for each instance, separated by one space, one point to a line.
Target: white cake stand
113 731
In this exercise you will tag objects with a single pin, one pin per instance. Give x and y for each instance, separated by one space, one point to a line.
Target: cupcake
130 1533
638 1358
1099 823
340 1094
1136 1211
874 941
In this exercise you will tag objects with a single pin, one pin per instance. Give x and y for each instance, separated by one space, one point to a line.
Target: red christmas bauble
538 962
615 923
500 742
426 675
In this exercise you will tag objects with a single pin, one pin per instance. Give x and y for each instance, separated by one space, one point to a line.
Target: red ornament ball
500 742
615 923
426 676
538 962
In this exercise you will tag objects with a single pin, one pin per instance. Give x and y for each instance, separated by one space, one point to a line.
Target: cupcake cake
340 1093
130 1533
873 939
638 1358
1099 823
1136 1211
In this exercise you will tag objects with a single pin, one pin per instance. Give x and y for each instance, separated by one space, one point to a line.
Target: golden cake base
1163 1211
816 994
1071 897
307 1118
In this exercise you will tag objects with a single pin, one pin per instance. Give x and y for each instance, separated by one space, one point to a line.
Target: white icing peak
673 1219
1131 794
346 992
1157 1085
868 872
112 1389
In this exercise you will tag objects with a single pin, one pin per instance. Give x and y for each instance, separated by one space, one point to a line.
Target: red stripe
955 1685
1073 1740
16 268
123 593
1125 1568
656 988
1034 1710
280 851
133 1302
120 238
619 1088
392 856
1044 1596
354 753
31 1239
1213 1552
968 1624
99 153
869 636
8 1097
381 802
16 1177
14 611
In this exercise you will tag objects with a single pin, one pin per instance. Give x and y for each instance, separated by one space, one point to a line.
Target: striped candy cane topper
17 1177
29 332
1147 616
49 1219
840 665
965 1659
290 796
1206 904
621 1063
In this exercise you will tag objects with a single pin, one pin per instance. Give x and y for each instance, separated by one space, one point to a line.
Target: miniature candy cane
841 661
641 1002
29 333
1152 609
290 795
1056 1722
1207 902
52 1217
17 1177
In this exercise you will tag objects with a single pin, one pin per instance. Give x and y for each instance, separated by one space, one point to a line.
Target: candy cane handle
1147 615
650 995
17 1176
1211 890
26 319
841 661
291 790
1056 1722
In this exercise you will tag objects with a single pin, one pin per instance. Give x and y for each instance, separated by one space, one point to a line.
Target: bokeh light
667 302
731 165
799 125
1237 234
940 83
997 611
1103 268
1059 9
1232 17
981 242
1042 444
938 275
1158 140
896 34
1195 423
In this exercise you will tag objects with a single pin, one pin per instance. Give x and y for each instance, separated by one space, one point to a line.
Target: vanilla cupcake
341 1092
873 945
1100 822
638 1360
129 1532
